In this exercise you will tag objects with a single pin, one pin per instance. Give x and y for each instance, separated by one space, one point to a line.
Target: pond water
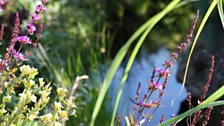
141 72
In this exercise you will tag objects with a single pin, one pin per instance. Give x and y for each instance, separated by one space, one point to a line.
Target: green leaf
155 19
220 9
208 13
185 2
127 121
209 102
122 52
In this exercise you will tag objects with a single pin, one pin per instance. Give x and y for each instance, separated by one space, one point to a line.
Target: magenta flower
24 39
30 28
44 1
36 17
155 85
18 55
168 63
163 72
2 2
40 8
147 105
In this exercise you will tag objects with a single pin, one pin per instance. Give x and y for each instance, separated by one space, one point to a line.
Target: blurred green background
82 36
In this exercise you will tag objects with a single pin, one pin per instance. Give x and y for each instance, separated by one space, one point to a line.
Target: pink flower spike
36 17
163 72
30 28
18 55
40 8
2 2
24 40
147 105
154 86
168 63
157 85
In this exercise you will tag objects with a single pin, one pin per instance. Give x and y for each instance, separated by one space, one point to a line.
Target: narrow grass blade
116 63
220 9
209 102
154 20
127 121
208 13
185 2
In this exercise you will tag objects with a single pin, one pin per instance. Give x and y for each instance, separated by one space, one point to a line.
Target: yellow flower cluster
27 70
34 98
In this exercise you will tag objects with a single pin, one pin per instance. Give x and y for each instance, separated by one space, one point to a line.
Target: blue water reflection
141 72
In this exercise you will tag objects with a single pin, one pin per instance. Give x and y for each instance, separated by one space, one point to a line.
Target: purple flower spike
40 8
168 63
24 39
18 55
150 104
163 72
157 85
30 28
36 17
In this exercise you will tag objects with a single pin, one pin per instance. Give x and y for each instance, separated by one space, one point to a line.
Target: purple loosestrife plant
192 120
29 104
24 39
2 4
11 53
31 28
158 83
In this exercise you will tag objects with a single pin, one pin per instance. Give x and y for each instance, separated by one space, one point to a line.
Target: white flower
2 111
7 98
57 124
47 118
45 99
62 92
57 106
32 82
33 98
22 96
28 93
33 116
44 93
69 103
41 82
6 84
63 115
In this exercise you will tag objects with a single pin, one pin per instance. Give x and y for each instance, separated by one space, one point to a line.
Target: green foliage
123 51
120 55
122 13
209 102
29 105
73 41
209 11
76 41
220 8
